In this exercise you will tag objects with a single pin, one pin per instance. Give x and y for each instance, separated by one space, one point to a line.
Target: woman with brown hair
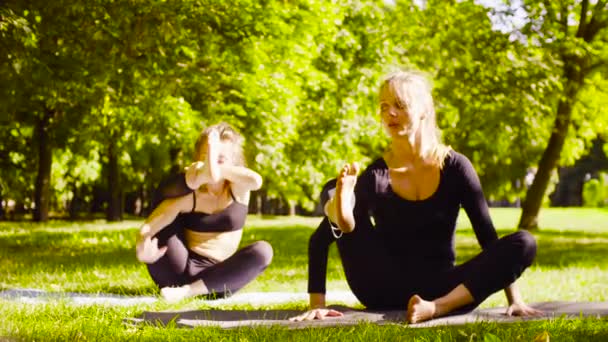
190 241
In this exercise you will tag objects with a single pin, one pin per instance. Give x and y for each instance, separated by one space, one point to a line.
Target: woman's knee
262 251
526 244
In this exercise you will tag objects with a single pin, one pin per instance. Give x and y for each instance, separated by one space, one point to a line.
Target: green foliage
16 176
136 81
71 172
330 100
572 34
595 191
491 91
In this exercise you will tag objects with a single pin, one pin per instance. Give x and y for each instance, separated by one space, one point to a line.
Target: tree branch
564 18
599 7
594 67
582 24
596 23
593 28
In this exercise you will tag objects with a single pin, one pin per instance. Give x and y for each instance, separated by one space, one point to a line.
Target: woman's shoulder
377 164
458 164
183 203
456 159
240 195
375 176
377 167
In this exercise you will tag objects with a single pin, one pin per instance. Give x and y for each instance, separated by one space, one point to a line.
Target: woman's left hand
147 250
522 309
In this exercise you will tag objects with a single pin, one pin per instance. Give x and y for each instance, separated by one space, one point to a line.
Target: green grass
96 257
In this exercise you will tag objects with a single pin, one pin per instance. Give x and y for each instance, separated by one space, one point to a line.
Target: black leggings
180 266
379 283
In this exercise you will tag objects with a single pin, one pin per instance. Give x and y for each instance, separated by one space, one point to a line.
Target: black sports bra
229 219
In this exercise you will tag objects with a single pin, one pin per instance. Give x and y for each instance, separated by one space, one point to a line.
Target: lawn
93 257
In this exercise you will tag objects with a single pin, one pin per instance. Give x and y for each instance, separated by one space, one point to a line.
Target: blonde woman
394 224
190 241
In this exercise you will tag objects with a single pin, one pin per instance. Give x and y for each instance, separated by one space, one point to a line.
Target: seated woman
190 241
396 222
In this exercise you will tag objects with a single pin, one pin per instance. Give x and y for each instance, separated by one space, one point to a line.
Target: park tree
574 34
298 79
509 88
483 79
286 75
49 80
102 69
339 121
16 162
60 74
145 46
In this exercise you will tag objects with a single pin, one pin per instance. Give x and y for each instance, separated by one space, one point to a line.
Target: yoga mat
250 318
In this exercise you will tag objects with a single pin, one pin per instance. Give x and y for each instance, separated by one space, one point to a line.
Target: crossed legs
498 266
181 274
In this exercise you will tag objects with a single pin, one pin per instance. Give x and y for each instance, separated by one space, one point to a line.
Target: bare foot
419 310
175 294
345 188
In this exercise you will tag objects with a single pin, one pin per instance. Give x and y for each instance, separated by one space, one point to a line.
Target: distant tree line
100 100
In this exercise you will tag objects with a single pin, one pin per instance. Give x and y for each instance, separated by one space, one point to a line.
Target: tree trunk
45 161
1 205
264 207
551 155
255 203
291 208
114 212
174 154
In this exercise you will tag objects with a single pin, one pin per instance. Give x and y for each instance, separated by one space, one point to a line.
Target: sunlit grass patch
97 257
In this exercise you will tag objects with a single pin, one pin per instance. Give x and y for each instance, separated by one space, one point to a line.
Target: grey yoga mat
239 318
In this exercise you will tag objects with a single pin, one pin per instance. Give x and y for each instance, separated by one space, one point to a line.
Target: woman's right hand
213 155
345 187
213 141
347 177
318 313
147 250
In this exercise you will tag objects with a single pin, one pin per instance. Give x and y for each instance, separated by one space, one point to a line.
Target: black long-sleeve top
419 235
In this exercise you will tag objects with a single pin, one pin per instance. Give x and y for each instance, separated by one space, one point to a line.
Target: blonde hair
412 90
226 133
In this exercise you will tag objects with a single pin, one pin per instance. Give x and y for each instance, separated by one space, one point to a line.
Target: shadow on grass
289 244
556 249
48 252
77 254
65 250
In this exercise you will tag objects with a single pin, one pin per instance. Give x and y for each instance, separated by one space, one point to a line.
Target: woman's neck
405 149
216 188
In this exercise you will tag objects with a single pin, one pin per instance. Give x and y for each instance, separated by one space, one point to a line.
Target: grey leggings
180 266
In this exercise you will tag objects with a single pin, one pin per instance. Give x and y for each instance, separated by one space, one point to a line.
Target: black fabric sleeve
322 238
474 202
318 246
171 187
365 192
318 250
